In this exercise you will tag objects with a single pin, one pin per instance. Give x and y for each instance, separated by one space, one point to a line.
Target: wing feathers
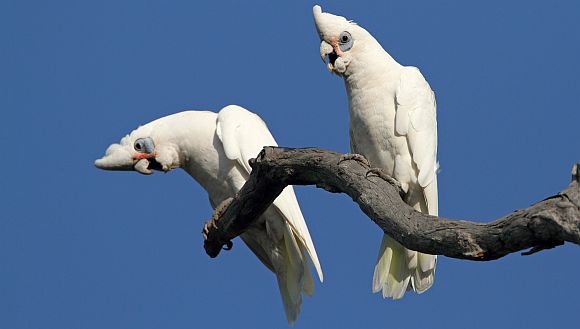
416 118
243 135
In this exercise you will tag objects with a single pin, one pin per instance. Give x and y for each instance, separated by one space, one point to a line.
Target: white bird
393 124
214 148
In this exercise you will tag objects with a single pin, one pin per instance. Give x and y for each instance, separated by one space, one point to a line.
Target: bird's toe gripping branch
382 175
372 171
213 247
356 157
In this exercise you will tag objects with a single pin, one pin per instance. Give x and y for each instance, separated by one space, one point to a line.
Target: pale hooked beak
118 158
327 54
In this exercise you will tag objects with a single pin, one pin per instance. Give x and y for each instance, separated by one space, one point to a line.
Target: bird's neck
371 84
195 147
371 69
191 140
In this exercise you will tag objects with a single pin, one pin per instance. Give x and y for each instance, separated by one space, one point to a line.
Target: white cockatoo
393 124
214 148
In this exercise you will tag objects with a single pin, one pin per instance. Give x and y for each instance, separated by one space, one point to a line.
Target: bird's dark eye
345 41
144 145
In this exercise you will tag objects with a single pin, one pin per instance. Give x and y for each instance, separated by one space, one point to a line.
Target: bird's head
341 40
145 149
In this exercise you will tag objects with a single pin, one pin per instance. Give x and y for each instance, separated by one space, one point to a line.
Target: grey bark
546 224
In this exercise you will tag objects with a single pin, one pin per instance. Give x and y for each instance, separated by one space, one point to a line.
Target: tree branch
546 224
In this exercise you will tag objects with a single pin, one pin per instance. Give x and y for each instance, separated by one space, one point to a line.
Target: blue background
84 248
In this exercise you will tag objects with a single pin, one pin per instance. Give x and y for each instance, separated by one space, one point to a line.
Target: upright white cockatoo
393 124
214 148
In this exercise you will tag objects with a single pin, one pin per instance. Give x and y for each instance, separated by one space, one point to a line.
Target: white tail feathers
425 273
294 277
398 266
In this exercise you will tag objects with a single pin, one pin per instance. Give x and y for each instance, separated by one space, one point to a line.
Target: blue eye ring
144 145
344 37
345 41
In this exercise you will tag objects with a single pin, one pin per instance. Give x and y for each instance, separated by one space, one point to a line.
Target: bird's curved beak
120 159
116 158
328 54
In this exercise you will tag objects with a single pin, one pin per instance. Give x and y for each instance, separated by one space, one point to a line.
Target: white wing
243 135
416 118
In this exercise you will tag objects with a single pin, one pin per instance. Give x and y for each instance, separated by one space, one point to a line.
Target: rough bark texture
544 225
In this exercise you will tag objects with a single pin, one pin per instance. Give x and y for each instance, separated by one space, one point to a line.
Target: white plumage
214 148
393 124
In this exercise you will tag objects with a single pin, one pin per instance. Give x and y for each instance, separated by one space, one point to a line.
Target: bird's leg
356 157
217 214
381 174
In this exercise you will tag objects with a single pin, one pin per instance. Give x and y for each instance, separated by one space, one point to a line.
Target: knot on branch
255 161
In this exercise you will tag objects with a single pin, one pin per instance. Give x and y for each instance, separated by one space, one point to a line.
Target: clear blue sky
83 248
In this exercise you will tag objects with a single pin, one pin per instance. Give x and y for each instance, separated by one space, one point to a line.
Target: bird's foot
356 157
212 223
381 174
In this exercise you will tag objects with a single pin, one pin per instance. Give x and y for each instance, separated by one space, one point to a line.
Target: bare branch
546 224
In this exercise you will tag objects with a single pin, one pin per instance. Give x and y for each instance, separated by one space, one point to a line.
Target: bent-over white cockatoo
214 148
393 124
